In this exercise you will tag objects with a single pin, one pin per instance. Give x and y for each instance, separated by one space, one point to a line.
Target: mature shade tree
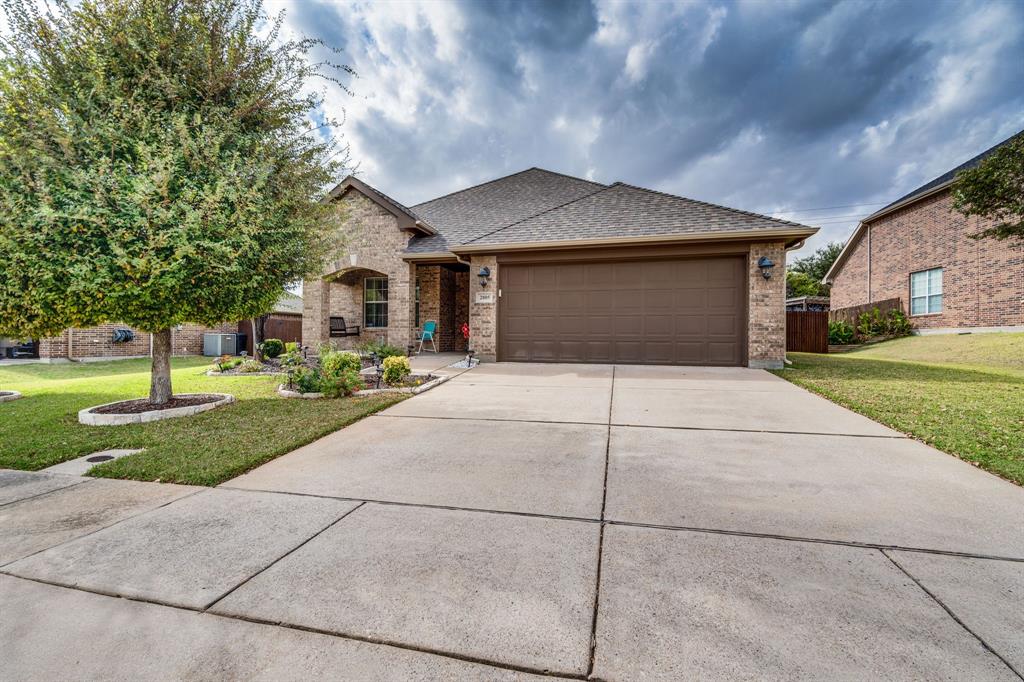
805 276
994 189
158 165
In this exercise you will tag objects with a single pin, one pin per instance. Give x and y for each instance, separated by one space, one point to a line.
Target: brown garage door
681 311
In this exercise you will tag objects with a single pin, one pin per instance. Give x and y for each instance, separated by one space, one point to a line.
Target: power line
826 208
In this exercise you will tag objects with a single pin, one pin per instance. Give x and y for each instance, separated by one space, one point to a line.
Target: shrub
873 323
396 369
841 333
342 384
272 348
333 363
307 380
293 356
383 350
250 366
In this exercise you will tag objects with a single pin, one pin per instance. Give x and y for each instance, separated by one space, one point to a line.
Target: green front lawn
962 394
41 429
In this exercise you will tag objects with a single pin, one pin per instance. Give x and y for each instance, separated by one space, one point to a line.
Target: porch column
483 309
401 305
315 312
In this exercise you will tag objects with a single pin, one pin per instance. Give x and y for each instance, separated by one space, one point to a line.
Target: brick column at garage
483 317
766 326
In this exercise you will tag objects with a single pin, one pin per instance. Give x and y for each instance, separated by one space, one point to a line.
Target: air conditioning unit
215 345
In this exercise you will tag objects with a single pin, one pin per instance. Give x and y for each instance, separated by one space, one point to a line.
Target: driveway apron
575 521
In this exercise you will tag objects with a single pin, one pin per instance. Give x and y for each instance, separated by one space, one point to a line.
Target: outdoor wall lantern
484 275
766 265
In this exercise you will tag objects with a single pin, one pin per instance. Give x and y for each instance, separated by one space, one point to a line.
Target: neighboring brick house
103 343
919 249
546 267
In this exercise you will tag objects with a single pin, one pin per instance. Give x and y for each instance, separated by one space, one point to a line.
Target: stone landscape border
90 418
7 396
414 390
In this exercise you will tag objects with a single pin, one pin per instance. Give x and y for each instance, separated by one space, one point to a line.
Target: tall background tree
157 166
994 189
804 276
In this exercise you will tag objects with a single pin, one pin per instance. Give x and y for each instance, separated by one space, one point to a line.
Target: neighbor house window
926 292
375 302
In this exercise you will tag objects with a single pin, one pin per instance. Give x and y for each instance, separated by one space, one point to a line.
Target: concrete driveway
613 523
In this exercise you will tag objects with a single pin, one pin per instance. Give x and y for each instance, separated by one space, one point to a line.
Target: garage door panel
679 311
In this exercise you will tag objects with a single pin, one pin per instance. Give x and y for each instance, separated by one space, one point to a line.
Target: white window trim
928 294
366 318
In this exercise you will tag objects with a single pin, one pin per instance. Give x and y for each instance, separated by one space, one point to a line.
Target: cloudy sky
815 111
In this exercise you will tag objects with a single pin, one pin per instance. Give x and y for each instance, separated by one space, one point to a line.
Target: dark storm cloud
763 106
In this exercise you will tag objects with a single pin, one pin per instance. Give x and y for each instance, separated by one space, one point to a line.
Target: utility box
215 345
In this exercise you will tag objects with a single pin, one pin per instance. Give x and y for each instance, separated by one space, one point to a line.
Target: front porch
359 303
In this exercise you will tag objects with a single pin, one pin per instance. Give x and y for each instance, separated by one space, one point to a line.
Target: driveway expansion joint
47 492
897 436
640 524
203 612
600 535
286 554
102 528
952 614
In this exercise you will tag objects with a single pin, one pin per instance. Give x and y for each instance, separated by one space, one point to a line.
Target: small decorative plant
226 362
250 366
464 328
306 380
379 348
272 348
396 369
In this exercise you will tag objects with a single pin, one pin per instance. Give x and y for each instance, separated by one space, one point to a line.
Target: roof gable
624 212
407 219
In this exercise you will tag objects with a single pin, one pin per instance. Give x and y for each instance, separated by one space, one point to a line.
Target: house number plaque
485 297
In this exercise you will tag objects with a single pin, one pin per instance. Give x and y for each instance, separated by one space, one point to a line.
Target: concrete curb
8 396
90 418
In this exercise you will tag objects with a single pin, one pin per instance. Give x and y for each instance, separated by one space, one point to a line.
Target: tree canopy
804 276
158 163
994 189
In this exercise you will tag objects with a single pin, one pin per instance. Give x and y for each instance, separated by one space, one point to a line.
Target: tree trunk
160 375
257 339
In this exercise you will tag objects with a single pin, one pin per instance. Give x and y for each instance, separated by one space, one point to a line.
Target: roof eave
862 225
406 220
789 235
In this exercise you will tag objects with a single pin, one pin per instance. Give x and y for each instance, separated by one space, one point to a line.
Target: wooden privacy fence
807 331
284 327
852 314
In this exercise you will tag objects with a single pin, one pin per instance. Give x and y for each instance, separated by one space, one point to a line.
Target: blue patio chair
427 334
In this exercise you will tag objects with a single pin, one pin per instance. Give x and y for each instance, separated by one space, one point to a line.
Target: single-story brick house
546 267
919 249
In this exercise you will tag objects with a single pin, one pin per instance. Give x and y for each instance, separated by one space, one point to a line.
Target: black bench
339 328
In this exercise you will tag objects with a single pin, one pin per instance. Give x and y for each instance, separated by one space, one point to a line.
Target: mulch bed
143 404
6 392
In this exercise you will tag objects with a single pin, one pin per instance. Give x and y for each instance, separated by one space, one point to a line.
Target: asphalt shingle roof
622 210
945 177
467 214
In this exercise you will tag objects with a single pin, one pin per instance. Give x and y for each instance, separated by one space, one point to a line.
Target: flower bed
141 410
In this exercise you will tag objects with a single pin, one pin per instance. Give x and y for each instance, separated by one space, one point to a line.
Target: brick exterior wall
97 342
483 317
373 248
982 280
766 308
444 298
